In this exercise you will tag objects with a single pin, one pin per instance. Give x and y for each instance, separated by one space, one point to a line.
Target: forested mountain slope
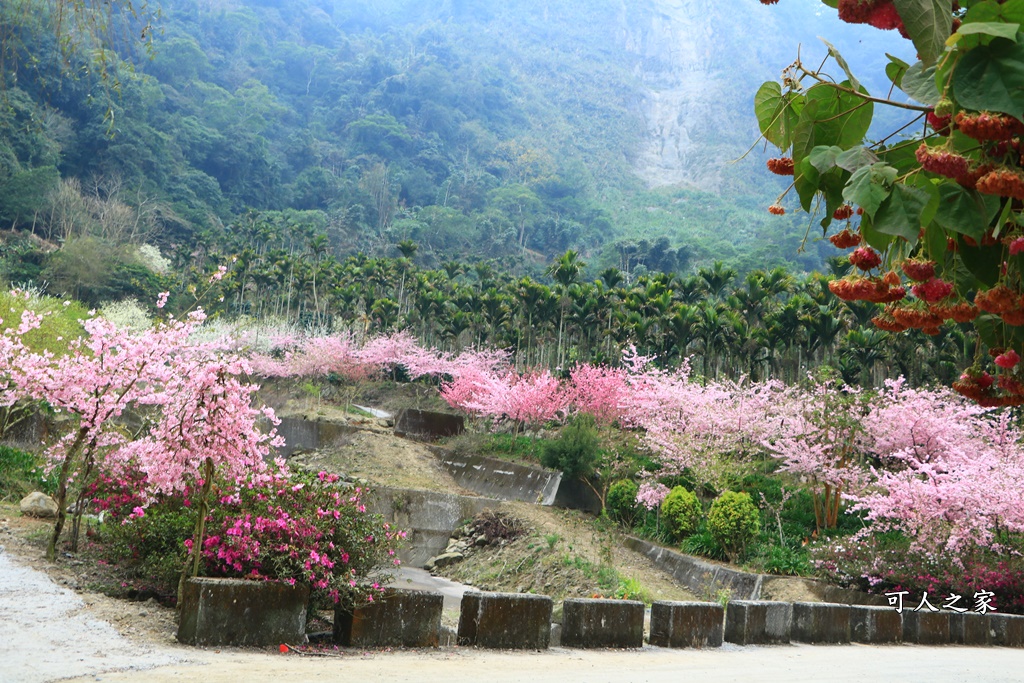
511 131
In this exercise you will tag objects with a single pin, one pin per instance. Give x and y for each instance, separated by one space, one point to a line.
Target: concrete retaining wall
499 479
818 622
238 612
1007 629
758 623
602 623
512 621
427 425
875 625
969 629
926 628
399 618
687 624
703 578
428 517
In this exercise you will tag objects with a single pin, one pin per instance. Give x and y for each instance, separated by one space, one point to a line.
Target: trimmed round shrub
621 501
734 521
680 511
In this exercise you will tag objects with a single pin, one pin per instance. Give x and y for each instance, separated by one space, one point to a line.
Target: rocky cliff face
699 73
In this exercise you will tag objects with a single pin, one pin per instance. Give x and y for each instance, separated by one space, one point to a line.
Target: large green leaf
901 212
919 83
842 64
996 29
823 157
991 78
967 212
777 113
990 11
874 238
855 158
831 116
869 186
805 180
895 69
983 262
929 23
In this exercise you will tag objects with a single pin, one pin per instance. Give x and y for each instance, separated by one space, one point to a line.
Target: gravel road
47 633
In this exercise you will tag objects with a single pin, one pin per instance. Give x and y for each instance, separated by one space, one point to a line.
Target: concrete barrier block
238 612
750 622
926 628
687 624
969 628
821 622
875 625
399 618
1007 629
514 621
602 623
428 425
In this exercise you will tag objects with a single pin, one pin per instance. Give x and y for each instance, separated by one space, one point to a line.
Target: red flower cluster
918 318
842 213
985 126
943 163
940 124
962 312
933 290
918 269
878 13
845 239
866 258
781 165
776 210
1002 182
874 290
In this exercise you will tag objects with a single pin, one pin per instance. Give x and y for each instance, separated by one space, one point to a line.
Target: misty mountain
511 131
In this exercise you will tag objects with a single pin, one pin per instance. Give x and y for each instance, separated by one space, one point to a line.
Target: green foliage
150 549
785 560
703 543
60 325
576 450
621 501
681 512
21 473
733 521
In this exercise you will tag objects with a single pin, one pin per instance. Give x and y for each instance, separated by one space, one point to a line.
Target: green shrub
680 512
734 521
784 560
575 451
702 543
621 501
150 549
21 473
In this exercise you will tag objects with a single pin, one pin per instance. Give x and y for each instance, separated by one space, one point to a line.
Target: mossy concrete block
969 628
1007 629
238 612
821 622
513 621
925 627
687 624
758 622
875 625
399 618
602 623
428 425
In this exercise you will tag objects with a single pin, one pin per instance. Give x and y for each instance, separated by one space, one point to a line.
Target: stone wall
427 516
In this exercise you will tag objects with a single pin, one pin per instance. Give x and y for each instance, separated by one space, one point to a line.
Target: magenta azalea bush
293 527
299 527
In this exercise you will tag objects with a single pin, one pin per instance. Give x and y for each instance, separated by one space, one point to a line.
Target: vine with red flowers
934 219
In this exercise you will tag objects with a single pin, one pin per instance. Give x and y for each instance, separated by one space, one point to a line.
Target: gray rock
38 504
443 560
